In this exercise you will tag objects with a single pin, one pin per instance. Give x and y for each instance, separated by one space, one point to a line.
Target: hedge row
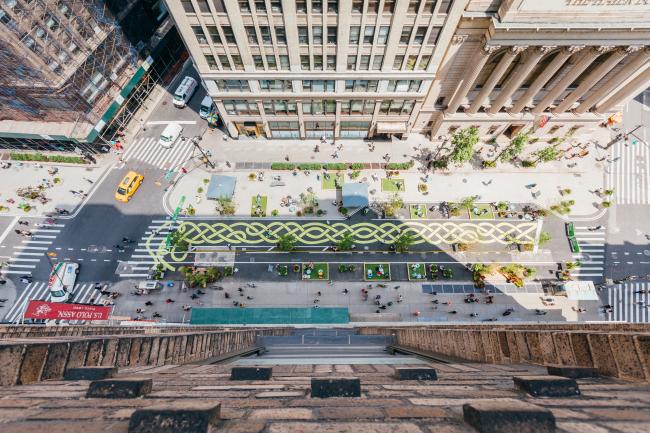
335 166
45 158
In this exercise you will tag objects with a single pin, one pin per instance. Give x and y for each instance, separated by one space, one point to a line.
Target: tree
468 202
287 242
547 154
178 242
346 243
464 142
516 147
403 242
544 237
308 199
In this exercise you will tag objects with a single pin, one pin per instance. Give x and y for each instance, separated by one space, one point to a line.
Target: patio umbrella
212 119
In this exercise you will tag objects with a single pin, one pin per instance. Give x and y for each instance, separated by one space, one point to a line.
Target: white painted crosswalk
147 150
629 173
591 255
38 290
28 253
630 301
140 262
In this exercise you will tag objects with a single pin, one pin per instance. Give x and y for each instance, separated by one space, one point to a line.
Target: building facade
386 68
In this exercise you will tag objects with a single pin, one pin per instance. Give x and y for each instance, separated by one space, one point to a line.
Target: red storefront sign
62 311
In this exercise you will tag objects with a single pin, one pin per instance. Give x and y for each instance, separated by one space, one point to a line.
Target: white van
61 282
206 107
184 92
170 135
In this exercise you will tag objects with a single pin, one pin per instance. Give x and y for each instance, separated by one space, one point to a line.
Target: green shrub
489 164
310 166
356 166
528 164
282 166
441 163
335 166
44 158
355 174
274 212
399 165
343 210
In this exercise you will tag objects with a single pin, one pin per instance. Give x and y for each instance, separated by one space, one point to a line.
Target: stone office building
387 68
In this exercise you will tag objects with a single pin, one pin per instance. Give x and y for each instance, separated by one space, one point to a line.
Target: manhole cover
646 252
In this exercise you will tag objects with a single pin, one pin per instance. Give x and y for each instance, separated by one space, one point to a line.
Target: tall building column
478 60
595 76
545 75
520 73
633 88
496 75
577 69
630 68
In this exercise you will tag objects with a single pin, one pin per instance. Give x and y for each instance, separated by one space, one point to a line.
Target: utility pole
206 158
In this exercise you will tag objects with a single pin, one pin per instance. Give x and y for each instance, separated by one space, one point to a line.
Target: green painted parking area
274 316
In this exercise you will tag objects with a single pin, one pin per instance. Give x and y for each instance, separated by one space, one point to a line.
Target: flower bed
392 185
484 212
332 181
418 211
417 271
46 158
258 209
376 271
315 271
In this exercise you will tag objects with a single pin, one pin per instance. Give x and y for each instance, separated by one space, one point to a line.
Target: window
389 6
233 85
410 62
280 36
260 5
333 6
244 6
331 62
301 6
318 85
276 85
241 107
357 107
404 85
318 63
303 35
276 6
319 107
444 6
200 36
429 6
280 108
252 36
259 63
373 6
317 34
368 34
352 63
317 6
361 85
354 34
225 63
214 35
304 62
376 62
212 63
383 35
365 63
187 6
239 65
424 63
284 129
357 6
406 35
228 34
203 6
270 60
396 107
414 6
419 35
397 63
433 36
265 31
331 35
284 63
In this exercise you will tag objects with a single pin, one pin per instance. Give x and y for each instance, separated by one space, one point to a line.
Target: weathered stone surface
547 386
335 387
508 416
627 361
581 350
33 362
89 373
119 388
10 359
251 373
571 372
57 357
179 417
418 373
95 349
77 356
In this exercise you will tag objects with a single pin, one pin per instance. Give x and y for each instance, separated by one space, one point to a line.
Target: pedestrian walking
142 125
229 247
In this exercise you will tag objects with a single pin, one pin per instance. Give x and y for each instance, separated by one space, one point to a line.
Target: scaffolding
62 61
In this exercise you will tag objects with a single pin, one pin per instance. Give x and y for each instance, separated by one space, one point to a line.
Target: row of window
368 36
411 86
284 64
318 107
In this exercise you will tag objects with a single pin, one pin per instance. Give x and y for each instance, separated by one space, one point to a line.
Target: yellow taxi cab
128 186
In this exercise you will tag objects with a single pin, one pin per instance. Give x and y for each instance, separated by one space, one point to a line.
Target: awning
221 187
355 194
391 127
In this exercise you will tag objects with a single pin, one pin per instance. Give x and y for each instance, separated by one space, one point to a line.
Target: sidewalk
31 174
302 294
